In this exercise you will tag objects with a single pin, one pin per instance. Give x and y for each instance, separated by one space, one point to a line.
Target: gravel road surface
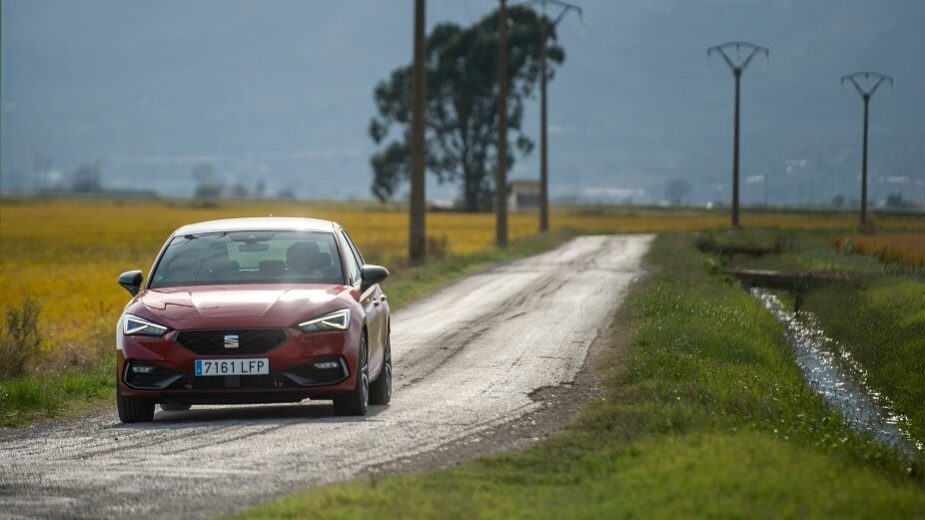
467 359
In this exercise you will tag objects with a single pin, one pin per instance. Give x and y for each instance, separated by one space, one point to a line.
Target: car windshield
249 257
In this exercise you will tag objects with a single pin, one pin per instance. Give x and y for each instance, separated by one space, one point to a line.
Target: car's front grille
220 342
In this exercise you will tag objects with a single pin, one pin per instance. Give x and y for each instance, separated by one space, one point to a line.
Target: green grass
29 398
879 317
745 475
705 414
91 385
881 321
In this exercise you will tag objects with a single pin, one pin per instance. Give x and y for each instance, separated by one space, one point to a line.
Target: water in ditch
839 379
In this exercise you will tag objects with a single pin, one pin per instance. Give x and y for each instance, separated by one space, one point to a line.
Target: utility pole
866 93
417 203
737 69
501 174
544 75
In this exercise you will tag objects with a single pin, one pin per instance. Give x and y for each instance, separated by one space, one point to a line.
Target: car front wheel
133 409
356 402
380 391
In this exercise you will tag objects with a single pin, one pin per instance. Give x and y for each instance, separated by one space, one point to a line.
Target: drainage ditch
839 379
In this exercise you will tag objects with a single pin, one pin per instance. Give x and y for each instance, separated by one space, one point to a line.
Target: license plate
232 367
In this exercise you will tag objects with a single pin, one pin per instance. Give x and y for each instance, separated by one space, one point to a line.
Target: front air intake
144 376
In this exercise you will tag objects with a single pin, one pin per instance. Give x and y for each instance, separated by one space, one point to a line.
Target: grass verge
29 398
46 394
879 316
706 414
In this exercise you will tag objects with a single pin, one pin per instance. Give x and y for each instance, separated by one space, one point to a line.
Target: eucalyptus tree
462 105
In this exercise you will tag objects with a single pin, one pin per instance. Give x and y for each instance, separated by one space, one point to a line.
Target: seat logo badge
232 341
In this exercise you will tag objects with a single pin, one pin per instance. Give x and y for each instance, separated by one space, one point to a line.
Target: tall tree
87 178
208 183
676 190
462 108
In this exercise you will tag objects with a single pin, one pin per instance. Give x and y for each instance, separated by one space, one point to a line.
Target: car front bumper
292 374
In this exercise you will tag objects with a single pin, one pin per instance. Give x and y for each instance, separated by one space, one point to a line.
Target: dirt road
466 360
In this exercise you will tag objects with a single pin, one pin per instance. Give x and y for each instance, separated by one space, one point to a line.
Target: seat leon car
254 310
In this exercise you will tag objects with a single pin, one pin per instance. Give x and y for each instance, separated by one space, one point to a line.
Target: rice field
68 253
908 248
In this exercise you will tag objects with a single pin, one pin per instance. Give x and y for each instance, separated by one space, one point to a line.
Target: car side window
353 265
356 250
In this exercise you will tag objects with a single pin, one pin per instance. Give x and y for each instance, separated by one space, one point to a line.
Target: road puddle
841 381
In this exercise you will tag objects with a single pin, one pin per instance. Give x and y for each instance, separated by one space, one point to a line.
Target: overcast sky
282 91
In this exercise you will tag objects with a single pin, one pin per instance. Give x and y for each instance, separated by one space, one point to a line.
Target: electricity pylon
737 69
877 79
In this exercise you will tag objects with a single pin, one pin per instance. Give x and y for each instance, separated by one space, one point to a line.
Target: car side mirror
131 280
371 275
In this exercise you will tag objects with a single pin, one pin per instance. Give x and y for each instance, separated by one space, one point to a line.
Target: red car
254 310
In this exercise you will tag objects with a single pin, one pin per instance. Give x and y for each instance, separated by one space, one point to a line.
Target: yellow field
68 253
892 247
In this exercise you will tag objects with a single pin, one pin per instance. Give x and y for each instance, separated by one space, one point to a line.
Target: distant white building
523 194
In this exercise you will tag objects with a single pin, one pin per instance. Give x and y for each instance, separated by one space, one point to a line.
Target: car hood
239 306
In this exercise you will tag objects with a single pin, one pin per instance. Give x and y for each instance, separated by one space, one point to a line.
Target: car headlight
337 320
135 326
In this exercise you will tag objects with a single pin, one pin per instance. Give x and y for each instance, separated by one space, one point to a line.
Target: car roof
258 224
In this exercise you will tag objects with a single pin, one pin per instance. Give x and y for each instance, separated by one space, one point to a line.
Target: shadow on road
253 414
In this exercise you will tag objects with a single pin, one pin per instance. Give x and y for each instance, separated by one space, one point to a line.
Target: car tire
175 407
356 402
380 390
134 409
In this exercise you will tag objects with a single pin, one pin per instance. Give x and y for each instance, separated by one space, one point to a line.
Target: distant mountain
281 92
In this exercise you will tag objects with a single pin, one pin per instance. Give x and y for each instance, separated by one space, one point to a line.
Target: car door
372 301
